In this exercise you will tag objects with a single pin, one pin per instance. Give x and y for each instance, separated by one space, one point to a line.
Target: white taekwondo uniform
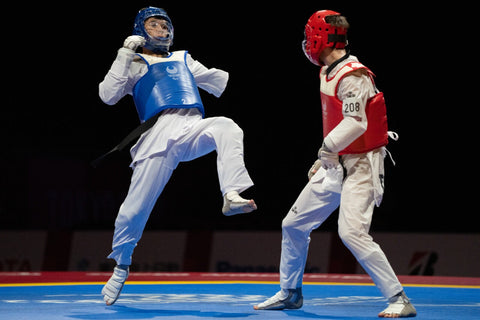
179 134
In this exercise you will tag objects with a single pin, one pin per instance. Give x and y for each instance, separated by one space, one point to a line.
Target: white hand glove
329 159
314 169
133 42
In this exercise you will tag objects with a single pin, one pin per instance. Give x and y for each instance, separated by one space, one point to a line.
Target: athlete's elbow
109 102
362 127
106 97
358 124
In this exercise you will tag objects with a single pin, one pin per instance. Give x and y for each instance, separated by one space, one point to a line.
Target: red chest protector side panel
376 134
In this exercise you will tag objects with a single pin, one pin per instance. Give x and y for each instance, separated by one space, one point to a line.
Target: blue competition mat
232 300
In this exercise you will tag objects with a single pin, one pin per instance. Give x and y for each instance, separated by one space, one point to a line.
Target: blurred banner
232 251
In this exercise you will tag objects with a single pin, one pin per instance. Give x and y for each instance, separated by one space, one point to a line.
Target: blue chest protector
167 84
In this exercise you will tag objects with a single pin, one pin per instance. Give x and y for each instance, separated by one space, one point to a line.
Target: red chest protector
376 134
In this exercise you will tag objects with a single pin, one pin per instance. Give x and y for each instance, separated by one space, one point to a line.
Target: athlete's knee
288 223
347 234
230 126
293 226
295 234
355 239
131 219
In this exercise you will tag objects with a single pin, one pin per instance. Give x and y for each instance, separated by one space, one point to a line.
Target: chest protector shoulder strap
168 83
376 134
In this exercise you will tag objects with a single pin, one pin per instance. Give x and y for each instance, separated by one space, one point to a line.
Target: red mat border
82 277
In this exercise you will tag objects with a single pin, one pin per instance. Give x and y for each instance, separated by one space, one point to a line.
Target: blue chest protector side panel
168 84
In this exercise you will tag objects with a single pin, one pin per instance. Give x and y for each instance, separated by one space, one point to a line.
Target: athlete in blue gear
164 85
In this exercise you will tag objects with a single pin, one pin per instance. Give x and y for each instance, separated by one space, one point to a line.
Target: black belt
137 132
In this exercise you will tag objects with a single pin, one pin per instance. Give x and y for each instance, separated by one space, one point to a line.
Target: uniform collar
334 64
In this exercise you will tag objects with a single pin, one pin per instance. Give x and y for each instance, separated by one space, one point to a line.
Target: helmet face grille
156 45
319 34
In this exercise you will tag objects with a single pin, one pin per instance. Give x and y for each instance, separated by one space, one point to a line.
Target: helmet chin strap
158 50
157 46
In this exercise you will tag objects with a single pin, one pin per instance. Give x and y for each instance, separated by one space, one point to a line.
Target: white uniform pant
312 208
150 175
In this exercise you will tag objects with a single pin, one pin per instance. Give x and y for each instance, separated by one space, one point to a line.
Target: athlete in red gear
355 127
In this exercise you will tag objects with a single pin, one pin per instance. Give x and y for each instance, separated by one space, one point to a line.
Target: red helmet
320 35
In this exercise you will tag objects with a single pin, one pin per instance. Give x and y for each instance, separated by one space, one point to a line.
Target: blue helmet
155 44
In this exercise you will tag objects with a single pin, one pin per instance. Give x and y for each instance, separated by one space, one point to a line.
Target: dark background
54 124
